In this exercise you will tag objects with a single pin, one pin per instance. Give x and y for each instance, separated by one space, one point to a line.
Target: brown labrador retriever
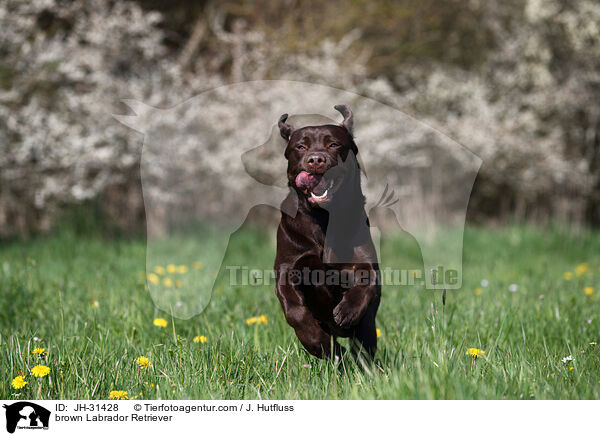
326 264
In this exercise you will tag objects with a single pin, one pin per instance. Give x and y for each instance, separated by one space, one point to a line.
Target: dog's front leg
356 301
317 341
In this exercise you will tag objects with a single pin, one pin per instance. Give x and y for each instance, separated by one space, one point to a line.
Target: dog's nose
316 161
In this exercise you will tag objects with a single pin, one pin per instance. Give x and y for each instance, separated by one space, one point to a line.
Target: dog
328 239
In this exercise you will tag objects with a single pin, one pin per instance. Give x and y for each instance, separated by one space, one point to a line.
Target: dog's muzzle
316 186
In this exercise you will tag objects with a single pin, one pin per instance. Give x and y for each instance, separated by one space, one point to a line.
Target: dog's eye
334 145
300 147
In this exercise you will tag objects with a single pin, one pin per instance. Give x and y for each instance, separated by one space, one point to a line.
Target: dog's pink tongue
307 181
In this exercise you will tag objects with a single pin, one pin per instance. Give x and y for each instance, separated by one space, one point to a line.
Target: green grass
47 287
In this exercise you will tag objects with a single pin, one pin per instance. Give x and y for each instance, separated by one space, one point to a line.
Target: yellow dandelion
40 352
159 270
153 278
168 282
588 290
571 368
143 362
475 352
262 319
182 269
378 332
40 371
95 304
581 269
200 339
178 283
19 382
568 275
118 395
160 322
171 269
198 265
478 292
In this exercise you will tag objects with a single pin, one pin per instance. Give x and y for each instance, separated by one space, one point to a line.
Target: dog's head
317 157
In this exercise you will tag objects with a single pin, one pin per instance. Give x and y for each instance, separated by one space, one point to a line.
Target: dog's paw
346 314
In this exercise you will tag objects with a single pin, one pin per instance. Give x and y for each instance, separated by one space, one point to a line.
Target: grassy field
84 299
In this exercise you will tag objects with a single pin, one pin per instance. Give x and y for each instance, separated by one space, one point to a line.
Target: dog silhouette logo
26 415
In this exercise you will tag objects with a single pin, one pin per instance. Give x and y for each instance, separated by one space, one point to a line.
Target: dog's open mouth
316 186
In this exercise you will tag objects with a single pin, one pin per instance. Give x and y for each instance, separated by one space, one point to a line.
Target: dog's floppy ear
348 122
285 129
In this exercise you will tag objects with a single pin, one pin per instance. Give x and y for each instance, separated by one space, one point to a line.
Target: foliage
517 82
